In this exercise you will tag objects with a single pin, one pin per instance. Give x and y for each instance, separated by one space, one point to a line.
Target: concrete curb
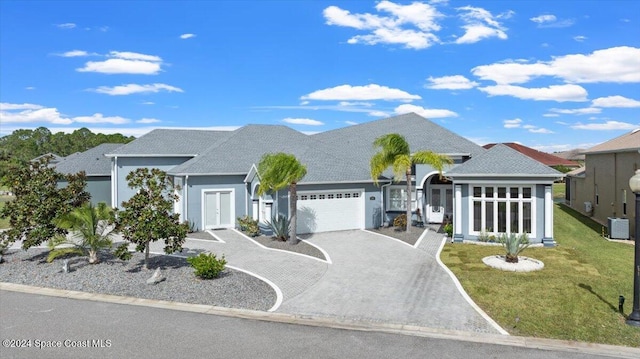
524 342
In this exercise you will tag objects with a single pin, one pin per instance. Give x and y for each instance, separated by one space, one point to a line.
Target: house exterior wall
606 186
372 199
197 184
99 187
465 213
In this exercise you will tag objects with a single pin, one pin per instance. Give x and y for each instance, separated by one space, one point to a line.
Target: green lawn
4 222
559 190
575 297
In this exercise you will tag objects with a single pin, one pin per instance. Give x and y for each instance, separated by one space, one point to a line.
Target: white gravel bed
233 289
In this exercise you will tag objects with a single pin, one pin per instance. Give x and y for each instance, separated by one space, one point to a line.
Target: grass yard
575 297
4 222
559 190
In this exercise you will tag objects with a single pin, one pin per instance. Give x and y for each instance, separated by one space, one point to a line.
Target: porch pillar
457 217
547 240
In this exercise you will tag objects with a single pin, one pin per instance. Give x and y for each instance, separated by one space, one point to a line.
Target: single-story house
496 190
601 188
96 166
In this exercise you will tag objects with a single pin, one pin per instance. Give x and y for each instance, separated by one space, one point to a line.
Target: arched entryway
437 199
261 206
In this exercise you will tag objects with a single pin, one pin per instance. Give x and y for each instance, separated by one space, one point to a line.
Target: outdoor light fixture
634 317
621 304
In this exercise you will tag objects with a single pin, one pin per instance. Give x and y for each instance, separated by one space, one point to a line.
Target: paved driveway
378 279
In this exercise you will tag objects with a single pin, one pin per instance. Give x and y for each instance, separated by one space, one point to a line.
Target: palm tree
394 152
90 228
278 171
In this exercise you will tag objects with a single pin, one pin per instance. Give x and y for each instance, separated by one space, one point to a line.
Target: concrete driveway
377 279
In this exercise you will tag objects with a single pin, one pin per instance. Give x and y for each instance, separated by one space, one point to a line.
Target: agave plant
279 224
90 229
513 244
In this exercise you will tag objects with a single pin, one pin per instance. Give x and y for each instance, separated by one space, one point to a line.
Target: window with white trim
502 209
397 198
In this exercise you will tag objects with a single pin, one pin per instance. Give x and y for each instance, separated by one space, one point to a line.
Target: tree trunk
146 257
408 202
511 258
293 216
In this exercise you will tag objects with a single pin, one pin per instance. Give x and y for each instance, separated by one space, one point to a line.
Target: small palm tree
513 245
394 152
278 171
90 228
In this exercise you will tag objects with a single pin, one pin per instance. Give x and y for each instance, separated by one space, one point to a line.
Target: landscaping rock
156 277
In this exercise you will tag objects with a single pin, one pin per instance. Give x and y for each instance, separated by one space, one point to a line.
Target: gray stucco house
497 190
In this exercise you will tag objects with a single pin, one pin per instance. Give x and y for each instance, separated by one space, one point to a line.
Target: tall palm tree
90 230
278 171
394 152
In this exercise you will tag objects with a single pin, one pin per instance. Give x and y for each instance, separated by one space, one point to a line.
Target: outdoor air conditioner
588 207
618 228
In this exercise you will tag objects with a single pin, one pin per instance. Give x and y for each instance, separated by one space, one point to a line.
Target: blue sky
552 75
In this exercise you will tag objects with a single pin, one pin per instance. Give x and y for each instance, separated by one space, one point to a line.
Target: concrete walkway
377 279
292 273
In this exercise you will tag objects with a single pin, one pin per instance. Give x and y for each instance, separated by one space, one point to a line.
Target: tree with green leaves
281 170
147 216
39 200
394 152
91 229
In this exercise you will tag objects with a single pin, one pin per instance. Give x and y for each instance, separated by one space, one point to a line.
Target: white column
548 212
457 207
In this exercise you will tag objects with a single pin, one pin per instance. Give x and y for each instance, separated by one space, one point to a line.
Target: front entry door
217 210
439 203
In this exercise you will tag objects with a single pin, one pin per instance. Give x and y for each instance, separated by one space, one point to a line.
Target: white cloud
67 25
576 111
541 19
411 25
361 93
550 115
303 121
148 120
608 125
120 62
376 113
539 130
74 53
615 101
616 64
559 93
187 36
480 24
356 104
135 88
456 82
515 123
29 88
100 118
579 38
5 106
147 103
350 123
424 112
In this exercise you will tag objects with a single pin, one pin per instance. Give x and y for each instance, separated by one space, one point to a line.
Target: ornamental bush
207 266
400 222
249 226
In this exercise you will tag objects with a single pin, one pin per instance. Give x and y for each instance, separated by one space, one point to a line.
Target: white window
330 196
504 209
397 198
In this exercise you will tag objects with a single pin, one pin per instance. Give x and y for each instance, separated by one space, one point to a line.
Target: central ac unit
618 228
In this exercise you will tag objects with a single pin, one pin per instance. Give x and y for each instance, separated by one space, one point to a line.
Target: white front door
439 203
218 209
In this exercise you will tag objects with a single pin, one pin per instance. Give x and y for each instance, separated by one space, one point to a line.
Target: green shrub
448 229
280 226
249 226
207 266
486 237
400 222
513 245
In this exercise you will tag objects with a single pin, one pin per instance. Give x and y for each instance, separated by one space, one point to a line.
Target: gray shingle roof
92 161
502 160
171 142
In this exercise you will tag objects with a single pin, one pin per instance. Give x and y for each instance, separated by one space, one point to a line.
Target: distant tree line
25 145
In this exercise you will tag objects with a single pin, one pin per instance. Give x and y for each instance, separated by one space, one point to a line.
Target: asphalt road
86 329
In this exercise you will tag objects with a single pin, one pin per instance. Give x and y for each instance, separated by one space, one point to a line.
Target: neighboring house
217 178
548 159
601 188
96 166
53 158
575 155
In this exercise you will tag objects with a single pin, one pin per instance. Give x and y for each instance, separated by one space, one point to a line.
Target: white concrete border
389 237
214 236
328 261
464 293
424 234
277 289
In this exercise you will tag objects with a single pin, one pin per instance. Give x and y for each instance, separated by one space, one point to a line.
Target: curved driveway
378 279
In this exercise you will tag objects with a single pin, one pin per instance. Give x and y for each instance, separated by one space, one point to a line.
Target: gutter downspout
115 190
382 201
186 198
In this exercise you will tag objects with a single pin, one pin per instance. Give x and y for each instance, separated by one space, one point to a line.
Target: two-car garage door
324 211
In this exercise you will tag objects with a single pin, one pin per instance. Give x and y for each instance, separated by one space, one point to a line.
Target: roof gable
171 142
503 161
92 161
629 141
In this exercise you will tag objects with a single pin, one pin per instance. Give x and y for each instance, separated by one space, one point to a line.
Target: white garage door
324 211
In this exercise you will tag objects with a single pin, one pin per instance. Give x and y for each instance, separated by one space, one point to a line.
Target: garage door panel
330 211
